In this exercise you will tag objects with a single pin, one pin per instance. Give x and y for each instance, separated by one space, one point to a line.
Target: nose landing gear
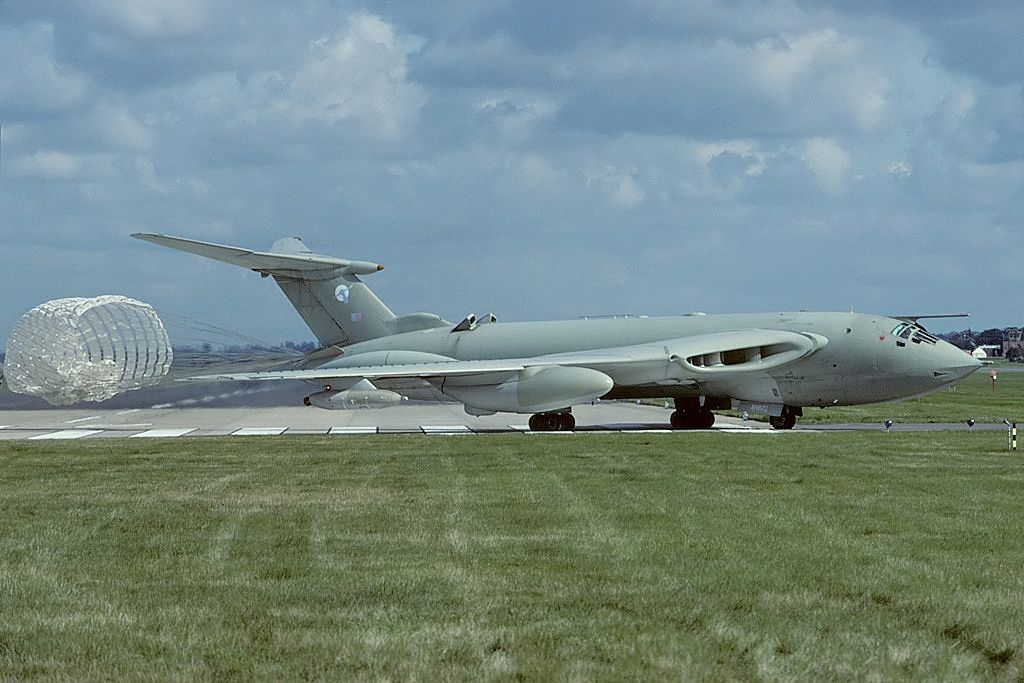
787 420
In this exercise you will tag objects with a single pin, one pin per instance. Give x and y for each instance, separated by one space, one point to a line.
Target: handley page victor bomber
768 363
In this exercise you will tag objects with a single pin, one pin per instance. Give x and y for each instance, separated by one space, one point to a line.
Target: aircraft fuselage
864 361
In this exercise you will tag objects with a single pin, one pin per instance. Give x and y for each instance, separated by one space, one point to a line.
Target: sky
537 160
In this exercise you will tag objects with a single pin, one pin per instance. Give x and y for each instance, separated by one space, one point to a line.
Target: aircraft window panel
906 333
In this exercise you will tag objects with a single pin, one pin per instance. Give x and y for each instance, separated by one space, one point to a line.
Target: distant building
988 351
1011 340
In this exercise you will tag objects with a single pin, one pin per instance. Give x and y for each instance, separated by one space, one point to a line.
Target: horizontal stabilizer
938 316
303 264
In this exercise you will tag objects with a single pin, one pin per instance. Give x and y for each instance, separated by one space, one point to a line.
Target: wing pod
530 390
362 394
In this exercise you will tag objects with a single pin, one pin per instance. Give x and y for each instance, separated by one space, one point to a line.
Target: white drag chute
70 350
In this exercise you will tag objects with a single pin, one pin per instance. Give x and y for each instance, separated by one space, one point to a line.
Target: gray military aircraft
768 363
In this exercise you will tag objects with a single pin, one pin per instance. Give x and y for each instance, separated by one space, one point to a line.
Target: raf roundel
341 293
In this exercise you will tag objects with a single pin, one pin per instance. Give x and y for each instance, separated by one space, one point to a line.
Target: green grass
589 557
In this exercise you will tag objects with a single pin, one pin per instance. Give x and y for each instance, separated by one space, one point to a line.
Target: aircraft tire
701 418
785 421
552 422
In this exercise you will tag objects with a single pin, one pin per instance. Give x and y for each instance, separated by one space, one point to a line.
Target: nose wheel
552 422
787 420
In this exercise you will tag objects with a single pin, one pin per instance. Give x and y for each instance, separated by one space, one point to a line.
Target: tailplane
326 291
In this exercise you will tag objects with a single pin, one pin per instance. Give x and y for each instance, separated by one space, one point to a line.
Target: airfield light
888 426
70 350
970 425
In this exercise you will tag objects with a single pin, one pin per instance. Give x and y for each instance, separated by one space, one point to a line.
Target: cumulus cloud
827 161
828 64
359 76
620 186
900 169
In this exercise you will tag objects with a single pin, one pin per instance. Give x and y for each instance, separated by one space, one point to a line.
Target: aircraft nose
952 363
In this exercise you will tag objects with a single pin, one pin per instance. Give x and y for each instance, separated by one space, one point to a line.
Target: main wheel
680 419
704 419
552 422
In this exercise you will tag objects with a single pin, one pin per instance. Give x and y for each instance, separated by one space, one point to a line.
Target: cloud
32 81
827 161
57 165
620 186
359 77
151 18
118 128
900 169
479 136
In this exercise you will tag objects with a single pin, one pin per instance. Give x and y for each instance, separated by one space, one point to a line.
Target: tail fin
326 291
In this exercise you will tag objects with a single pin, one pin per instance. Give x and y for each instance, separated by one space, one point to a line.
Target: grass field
591 557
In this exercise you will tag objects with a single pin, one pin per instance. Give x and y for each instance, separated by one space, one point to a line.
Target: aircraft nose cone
954 363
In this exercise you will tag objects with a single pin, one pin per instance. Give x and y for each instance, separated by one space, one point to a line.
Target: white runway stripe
352 430
520 428
446 429
259 431
67 434
127 412
162 433
82 419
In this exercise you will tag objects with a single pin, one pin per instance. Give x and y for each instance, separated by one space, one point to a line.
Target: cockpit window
912 332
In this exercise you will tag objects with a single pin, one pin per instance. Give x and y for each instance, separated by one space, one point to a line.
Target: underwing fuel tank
531 390
361 395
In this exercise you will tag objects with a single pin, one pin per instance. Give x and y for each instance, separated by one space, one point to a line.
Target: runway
425 418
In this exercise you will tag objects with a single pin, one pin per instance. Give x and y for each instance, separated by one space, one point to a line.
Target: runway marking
67 434
259 431
446 429
118 427
647 431
3 426
352 430
82 419
520 428
128 412
162 433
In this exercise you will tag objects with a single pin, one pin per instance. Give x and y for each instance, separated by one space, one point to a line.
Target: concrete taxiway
426 418
410 418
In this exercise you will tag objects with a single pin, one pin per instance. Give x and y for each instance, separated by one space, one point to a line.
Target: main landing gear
691 415
787 420
552 422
